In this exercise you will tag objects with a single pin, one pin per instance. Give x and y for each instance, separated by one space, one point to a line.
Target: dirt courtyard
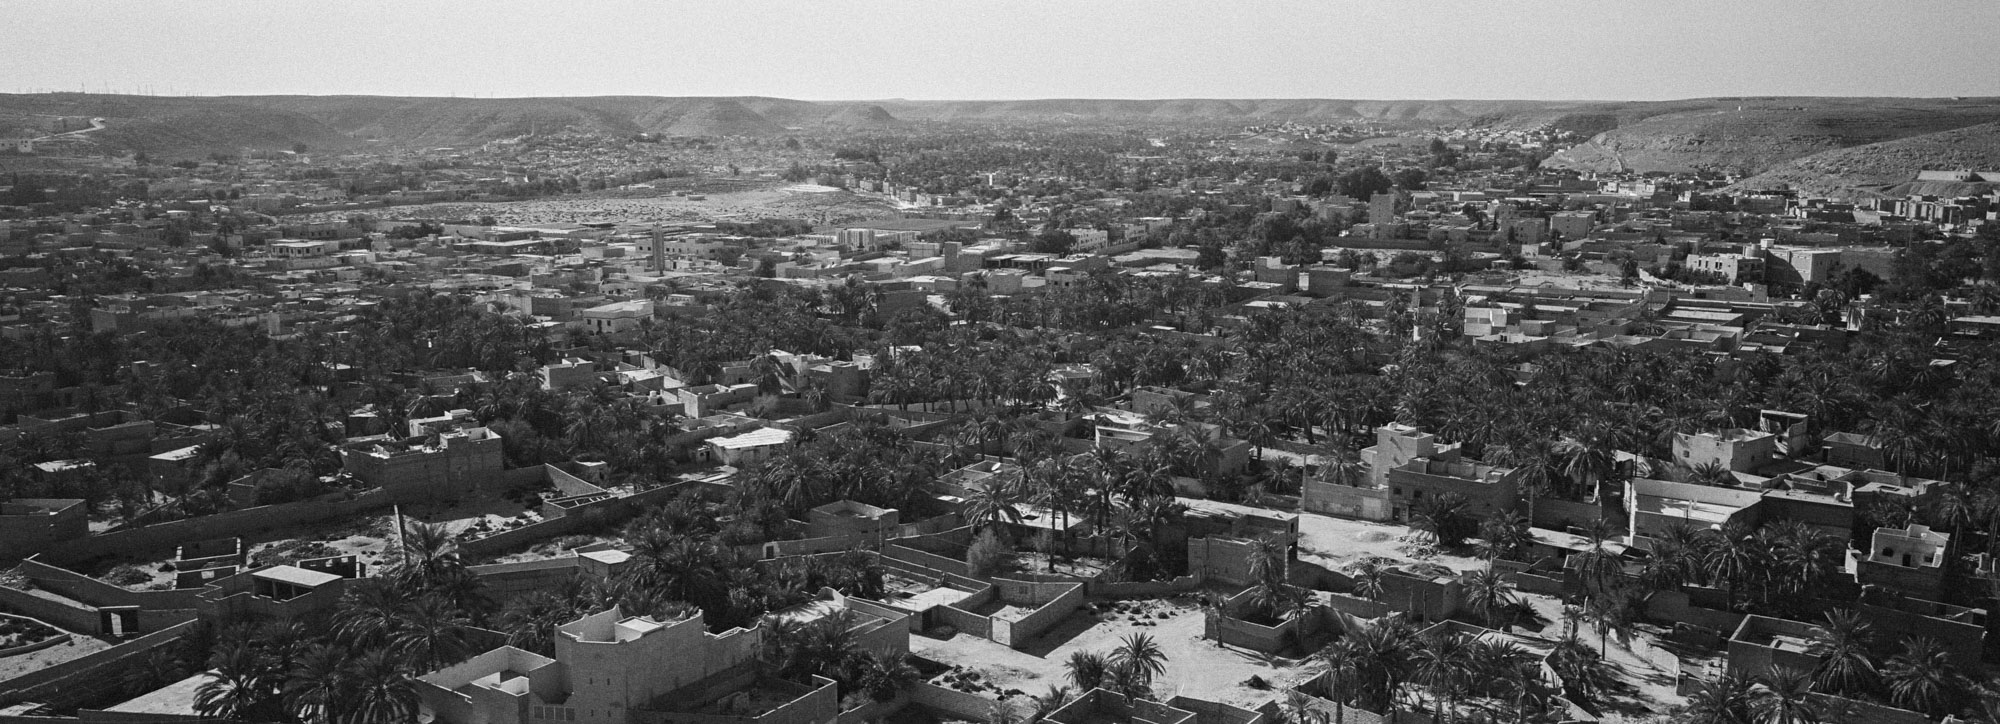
1195 666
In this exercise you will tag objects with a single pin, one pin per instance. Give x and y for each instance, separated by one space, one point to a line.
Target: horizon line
59 92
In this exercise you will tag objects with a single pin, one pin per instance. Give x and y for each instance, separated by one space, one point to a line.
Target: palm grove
1320 376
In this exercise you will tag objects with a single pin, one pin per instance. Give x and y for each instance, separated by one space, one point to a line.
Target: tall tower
659 252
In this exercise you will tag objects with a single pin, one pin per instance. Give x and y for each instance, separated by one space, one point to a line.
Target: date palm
239 681
383 693
1087 669
1142 655
1487 593
1842 644
1727 700
318 691
1786 697
884 674
1922 676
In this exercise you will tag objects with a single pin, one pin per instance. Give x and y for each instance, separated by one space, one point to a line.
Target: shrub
986 553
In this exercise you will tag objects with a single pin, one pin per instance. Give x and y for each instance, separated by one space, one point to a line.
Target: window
1417 495
1888 551
1398 491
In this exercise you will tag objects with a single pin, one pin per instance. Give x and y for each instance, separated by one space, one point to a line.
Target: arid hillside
1753 137
1737 135
1889 167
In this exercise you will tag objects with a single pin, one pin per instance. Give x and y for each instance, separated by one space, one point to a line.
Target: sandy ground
12 666
817 204
1195 667
1645 690
1337 543
369 537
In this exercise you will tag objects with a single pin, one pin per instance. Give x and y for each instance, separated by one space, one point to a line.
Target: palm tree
1445 518
1727 700
317 691
1087 669
1735 558
1129 681
1712 474
1787 697
368 612
1139 653
382 692
1488 593
239 681
1842 645
1579 667
431 634
1381 656
992 505
1047 703
884 674
1921 677
1444 663
1504 535
1368 581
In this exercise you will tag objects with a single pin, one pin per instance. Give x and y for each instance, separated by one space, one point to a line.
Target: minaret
659 251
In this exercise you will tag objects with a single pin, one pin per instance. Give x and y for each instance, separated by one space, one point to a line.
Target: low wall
913 570
959 615
901 552
874 711
98 593
56 640
161 538
74 617
1358 607
1840 710
1346 501
1226 628
86 677
959 704
1545 585
1562 514
505 580
1645 649
1059 600
1142 589
1215 712
603 512
1674 607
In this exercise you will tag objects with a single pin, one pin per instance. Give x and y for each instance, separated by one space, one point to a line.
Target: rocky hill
863 115
1888 167
1742 135
1750 138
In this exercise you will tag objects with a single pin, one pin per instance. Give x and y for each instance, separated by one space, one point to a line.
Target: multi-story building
616 316
457 461
32 525
612 668
1908 560
1735 449
1734 267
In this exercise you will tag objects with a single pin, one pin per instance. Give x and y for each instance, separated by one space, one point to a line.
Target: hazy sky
1002 49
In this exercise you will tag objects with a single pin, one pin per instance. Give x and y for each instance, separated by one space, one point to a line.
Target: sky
1008 49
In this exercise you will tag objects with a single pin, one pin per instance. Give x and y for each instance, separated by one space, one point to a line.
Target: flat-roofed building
1909 560
1654 506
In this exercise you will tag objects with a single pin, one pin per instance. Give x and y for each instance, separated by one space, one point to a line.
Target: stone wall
1053 602
84 678
63 613
162 538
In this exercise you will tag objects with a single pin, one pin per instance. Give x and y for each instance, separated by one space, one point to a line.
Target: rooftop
296 576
